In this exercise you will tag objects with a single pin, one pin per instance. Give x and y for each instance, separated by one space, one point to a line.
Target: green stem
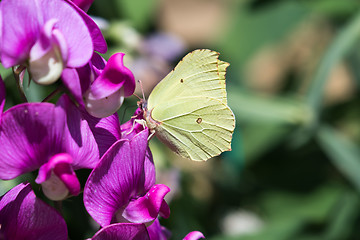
53 93
17 71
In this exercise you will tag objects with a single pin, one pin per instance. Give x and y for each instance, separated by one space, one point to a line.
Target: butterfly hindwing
195 127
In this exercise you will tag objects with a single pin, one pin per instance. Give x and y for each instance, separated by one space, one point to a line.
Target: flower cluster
52 40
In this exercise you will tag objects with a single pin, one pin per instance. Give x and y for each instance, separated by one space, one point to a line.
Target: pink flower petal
36 129
119 177
79 140
113 77
122 231
23 216
147 208
195 235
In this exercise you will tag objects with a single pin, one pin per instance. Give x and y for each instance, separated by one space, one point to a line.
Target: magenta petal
74 29
164 209
106 106
98 64
95 32
106 130
36 129
195 235
16 41
27 18
128 131
45 170
78 137
71 80
131 127
146 209
158 232
122 231
149 170
68 177
45 40
114 76
60 164
23 216
117 178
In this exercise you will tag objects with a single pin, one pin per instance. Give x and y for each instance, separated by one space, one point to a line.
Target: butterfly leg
152 132
143 123
139 121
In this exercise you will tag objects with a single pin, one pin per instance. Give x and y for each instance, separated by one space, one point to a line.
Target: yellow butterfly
188 109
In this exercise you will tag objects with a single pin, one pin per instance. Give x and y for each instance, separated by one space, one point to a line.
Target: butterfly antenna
137 96
142 89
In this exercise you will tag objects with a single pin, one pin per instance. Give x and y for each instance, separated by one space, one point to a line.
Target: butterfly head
151 123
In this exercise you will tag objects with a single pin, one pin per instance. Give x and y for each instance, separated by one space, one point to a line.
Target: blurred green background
293 85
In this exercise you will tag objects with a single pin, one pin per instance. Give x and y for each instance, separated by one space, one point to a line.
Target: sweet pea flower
139 231
194 235
47 36
23 216
133 126
122 231
121 188
158 232
101 86
56 139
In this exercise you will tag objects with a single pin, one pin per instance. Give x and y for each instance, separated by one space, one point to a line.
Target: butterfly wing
199 73
195 127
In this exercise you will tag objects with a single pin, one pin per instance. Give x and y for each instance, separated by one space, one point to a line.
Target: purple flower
57 140
121 187
101 86
132 127
136 231
139 231
47 36
106 130
195 235
158 232
23 216
122 231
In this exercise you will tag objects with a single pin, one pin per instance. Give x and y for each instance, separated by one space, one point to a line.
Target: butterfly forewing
199 73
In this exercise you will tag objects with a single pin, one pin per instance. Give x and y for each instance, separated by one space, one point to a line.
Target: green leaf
287 213
343 153
5 72
255 108
138 12
333 7
282 229
343 42
313 206
344 217
251 29
259 138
